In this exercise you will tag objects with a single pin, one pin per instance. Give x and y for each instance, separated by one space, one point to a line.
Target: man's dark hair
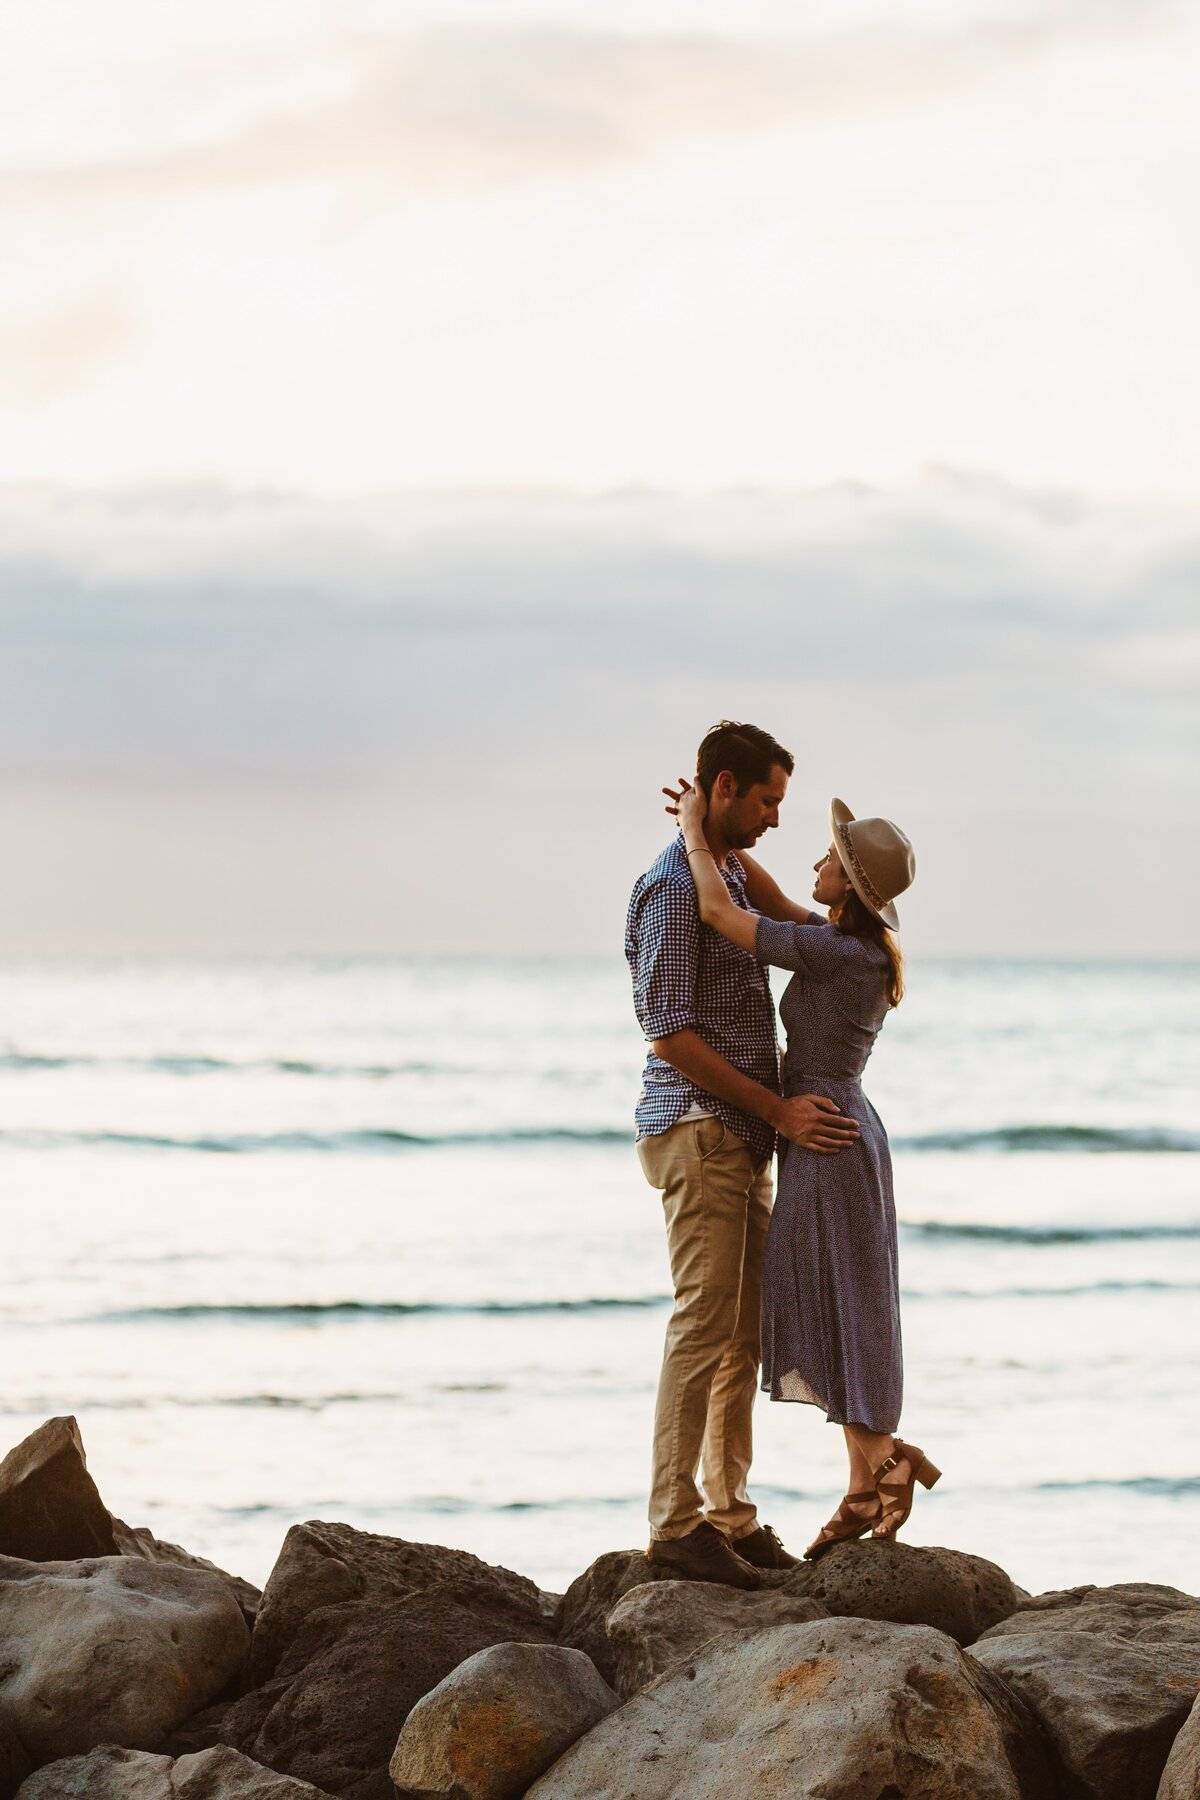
746 751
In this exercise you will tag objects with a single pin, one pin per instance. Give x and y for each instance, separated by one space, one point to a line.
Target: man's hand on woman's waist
810 1120
814 1123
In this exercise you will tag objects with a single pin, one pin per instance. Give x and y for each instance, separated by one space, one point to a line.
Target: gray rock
106 1773
111 1773
1111 1674
1181 1776
497 1722
583 1612
137 1540
50 1508
655 1627
333 1710
844 1708
323 1564
108 1650
51 1511
1127 1610
910 1585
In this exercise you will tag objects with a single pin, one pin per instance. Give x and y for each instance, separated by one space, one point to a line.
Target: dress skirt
831 1294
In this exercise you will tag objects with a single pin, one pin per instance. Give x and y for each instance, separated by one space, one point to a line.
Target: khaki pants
717 1202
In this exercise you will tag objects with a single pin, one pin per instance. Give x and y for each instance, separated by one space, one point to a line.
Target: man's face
744 817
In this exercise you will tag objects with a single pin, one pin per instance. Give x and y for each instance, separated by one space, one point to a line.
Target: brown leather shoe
763 1550
703 1554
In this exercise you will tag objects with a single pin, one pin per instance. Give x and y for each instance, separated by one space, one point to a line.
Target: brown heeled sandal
896 1497
846 1525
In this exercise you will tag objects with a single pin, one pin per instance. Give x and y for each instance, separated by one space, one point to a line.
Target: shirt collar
733 867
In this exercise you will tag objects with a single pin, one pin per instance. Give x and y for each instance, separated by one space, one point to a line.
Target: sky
419 423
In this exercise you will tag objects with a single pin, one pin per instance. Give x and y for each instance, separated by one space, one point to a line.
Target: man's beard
741 840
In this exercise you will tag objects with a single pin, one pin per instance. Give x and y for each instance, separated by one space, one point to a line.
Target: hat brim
840 816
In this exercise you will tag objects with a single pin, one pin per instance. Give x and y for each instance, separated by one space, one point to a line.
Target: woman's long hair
860 922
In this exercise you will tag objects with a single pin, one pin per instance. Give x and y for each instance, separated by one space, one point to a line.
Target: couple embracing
808 1288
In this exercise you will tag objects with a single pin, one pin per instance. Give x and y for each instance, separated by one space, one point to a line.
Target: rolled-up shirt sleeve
667 938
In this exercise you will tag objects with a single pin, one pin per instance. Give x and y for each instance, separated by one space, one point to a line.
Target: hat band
870 892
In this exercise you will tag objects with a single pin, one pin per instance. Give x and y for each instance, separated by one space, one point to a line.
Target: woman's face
832 883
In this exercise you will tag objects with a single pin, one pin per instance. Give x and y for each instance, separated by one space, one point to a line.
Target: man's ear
725 785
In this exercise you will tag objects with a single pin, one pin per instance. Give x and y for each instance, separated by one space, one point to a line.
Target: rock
1181 1777
662 1623
324 1564
1127 1610
116 1774
333 1710
50 1508
583 1612
14 1764
1111 1673
910 1585
109 1649
136 1540
844 1708
496 1722
958 1594
108 1773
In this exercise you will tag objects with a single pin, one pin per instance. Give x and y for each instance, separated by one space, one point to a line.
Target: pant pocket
710 1135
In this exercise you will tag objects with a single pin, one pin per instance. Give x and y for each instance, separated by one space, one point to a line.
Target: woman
831 1304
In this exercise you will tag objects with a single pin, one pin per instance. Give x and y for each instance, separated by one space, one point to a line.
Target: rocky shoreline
371 1668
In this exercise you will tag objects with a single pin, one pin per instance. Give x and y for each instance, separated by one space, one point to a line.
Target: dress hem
830 1417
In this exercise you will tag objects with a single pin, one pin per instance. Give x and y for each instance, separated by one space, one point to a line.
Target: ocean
366 1239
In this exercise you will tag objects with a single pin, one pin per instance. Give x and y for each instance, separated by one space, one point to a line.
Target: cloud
64 347
442 719
473 106
195 627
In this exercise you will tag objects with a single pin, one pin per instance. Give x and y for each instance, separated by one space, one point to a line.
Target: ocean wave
376 1139
1165 1485
1093 1139
1072 1292
383 1140
306 1311
949 1232
310 1312
16 1061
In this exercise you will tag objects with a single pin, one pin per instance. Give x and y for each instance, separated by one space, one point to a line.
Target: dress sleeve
816 948
667 935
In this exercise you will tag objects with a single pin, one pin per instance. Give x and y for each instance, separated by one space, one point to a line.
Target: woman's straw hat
876 856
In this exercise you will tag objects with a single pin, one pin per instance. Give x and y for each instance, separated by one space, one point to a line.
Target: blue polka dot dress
831 1296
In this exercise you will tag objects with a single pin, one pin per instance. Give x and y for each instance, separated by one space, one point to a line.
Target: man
707 1119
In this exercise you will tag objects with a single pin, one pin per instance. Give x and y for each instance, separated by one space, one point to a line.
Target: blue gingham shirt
687 975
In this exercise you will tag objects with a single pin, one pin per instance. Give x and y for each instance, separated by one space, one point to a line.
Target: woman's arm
766 896
716 907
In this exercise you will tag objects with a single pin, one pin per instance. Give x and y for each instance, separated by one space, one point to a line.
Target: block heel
896 1497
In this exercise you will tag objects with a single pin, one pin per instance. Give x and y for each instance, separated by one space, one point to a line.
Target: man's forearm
687 1051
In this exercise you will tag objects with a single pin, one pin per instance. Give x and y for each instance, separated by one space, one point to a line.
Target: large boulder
110 1650
1181 1776
657 1626
137 1540
111 1773
51 1511
583 1611
497 1721
1132 1610
910 1585
323 1564
50 1508
1111 1673
333 1710
843 1708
